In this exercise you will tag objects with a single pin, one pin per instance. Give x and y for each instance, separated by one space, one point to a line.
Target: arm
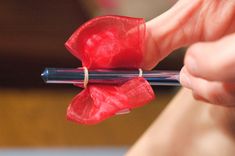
187 128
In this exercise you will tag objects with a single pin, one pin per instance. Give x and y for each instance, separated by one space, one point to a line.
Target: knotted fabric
109 42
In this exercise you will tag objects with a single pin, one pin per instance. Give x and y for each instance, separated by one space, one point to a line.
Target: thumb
185 23
165 33
214 61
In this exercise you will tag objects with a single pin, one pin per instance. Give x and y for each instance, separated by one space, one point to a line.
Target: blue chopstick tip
44 75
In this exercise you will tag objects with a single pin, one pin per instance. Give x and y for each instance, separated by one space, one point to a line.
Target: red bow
109 42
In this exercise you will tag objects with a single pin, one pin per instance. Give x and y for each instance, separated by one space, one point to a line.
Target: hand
210 71
190 22
187 22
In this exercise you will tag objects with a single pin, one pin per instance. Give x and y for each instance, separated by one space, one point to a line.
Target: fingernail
191 64
184 79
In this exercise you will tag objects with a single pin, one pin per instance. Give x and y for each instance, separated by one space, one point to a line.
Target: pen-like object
83 76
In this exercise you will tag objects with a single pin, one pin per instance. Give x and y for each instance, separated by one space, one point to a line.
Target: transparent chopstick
77 76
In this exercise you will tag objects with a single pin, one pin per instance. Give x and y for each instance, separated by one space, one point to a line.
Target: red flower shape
109 42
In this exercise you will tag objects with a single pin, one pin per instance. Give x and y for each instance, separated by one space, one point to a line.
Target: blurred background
32 114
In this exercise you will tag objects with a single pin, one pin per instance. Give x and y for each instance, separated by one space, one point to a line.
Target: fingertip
184 78
190 60
200 60
191 65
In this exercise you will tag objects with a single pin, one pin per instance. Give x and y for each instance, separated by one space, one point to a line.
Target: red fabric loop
98 102
109 42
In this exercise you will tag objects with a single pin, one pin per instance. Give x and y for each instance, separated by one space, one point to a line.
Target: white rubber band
86 77
140 72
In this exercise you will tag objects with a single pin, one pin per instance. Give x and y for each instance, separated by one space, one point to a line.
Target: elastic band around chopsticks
86 77
140 72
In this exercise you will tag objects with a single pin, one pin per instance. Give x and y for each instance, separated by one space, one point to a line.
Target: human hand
210 71
187 23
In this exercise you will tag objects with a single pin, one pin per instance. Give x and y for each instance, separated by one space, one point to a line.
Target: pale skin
189 128
200 120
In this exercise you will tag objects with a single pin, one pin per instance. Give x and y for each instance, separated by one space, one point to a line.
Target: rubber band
140 72
86 77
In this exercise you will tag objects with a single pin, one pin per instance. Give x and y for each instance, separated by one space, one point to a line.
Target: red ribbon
109 42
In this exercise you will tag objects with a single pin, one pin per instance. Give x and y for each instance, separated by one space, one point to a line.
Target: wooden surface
36 118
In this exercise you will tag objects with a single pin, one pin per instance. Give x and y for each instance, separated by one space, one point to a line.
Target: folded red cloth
109 42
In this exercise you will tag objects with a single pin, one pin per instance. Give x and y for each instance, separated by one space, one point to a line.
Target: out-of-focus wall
147 9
